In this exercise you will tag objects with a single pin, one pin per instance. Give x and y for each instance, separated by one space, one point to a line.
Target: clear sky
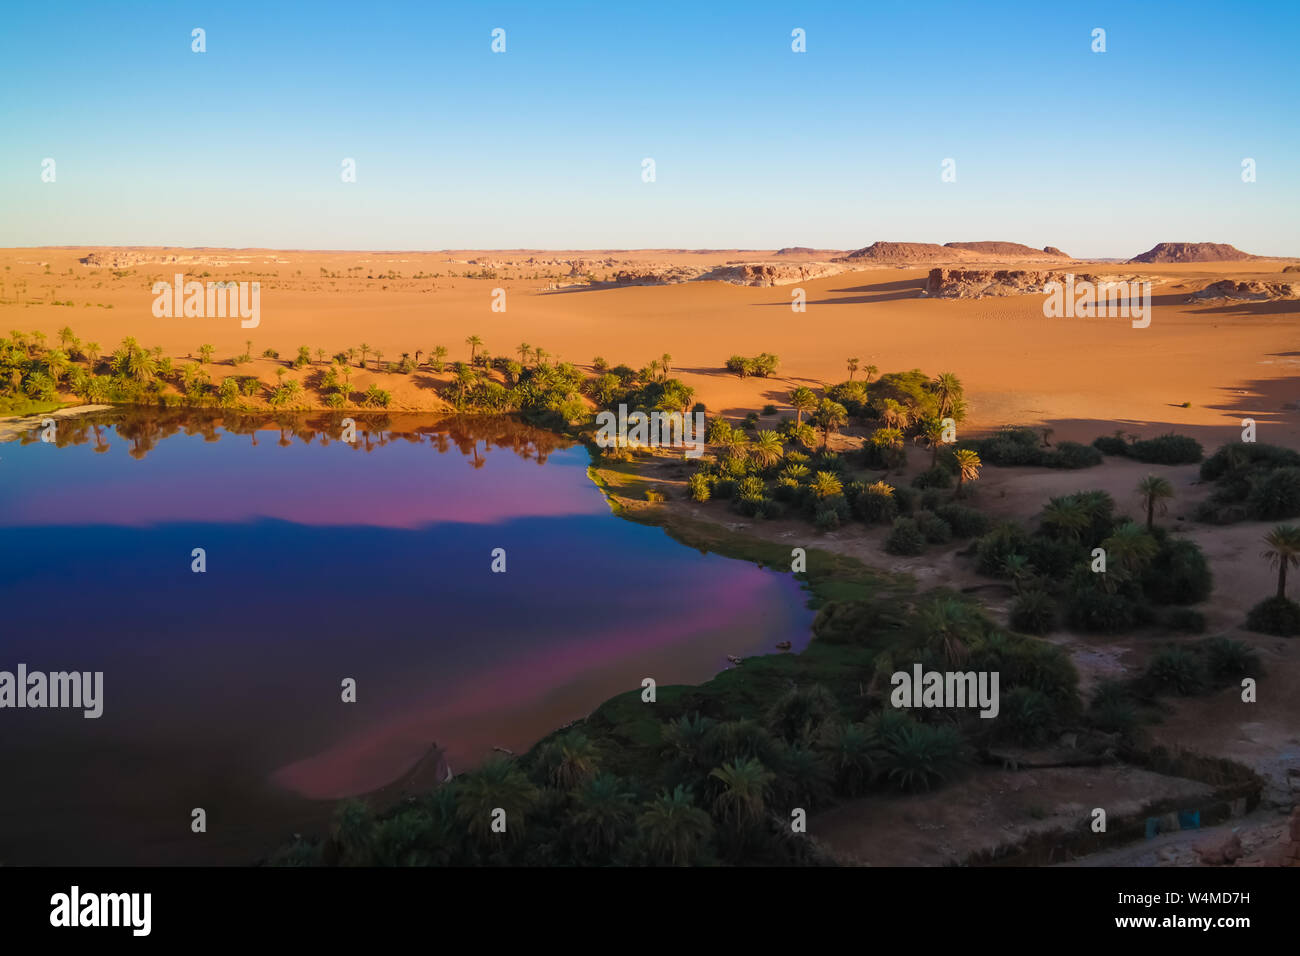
755 146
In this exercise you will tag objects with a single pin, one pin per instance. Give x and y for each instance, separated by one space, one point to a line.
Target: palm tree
439 355
853 368
665 363
92 354
830 417
825 484
735 443
968 468
1129 549
766 450
205 354
674 828
320 356
1154 490
948 389
570 761
802 400
1283 552
523 350
932 432
498 783
474 343
66 337
745 784
1066 517
365 350
603 813
894 414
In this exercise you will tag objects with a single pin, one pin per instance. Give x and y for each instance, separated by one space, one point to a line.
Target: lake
324 561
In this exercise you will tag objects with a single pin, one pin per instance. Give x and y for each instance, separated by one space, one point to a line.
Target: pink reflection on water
528 696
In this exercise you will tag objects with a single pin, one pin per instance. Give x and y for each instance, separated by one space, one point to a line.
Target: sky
754 145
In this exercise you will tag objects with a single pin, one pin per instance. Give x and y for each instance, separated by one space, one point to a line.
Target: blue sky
755 146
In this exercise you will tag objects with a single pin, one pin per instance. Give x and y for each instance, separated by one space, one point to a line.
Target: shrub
724 488
918 756
1236 456
1228 660
1275 615
1167 449
932 499
1179 574
933 478
965 521
1112 709
906 538
1029 716
999 544
905 498
1069 454
933 528
1111 445
827 519
699 486
1176 669
1091 606
769 409
1033 612
1052 557
1275 494
876 504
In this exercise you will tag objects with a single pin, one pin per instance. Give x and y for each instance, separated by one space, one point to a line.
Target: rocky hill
1007 249
1166 252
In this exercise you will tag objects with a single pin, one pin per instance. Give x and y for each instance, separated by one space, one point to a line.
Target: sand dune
1082 376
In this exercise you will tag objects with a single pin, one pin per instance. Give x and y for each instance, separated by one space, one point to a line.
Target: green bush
699 486
1238 456
1179 574
965 521
1275 495
826 519
1029 718
919 756
906 538
1053 558
1111 445
1275 615
933 528
933 478
1091 606
1167 449
1176 670
997 545
877 504
1033 612
1228 660
1069 454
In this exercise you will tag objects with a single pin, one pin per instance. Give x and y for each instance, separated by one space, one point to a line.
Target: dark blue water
324 561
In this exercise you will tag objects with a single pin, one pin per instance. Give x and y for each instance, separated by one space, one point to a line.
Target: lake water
324 561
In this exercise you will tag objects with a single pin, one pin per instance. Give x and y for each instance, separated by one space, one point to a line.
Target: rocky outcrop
1250 291
901 252
760 274
978 283
1007 250
1167 252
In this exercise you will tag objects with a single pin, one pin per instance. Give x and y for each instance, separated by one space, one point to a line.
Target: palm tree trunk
1151 513
1281 578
